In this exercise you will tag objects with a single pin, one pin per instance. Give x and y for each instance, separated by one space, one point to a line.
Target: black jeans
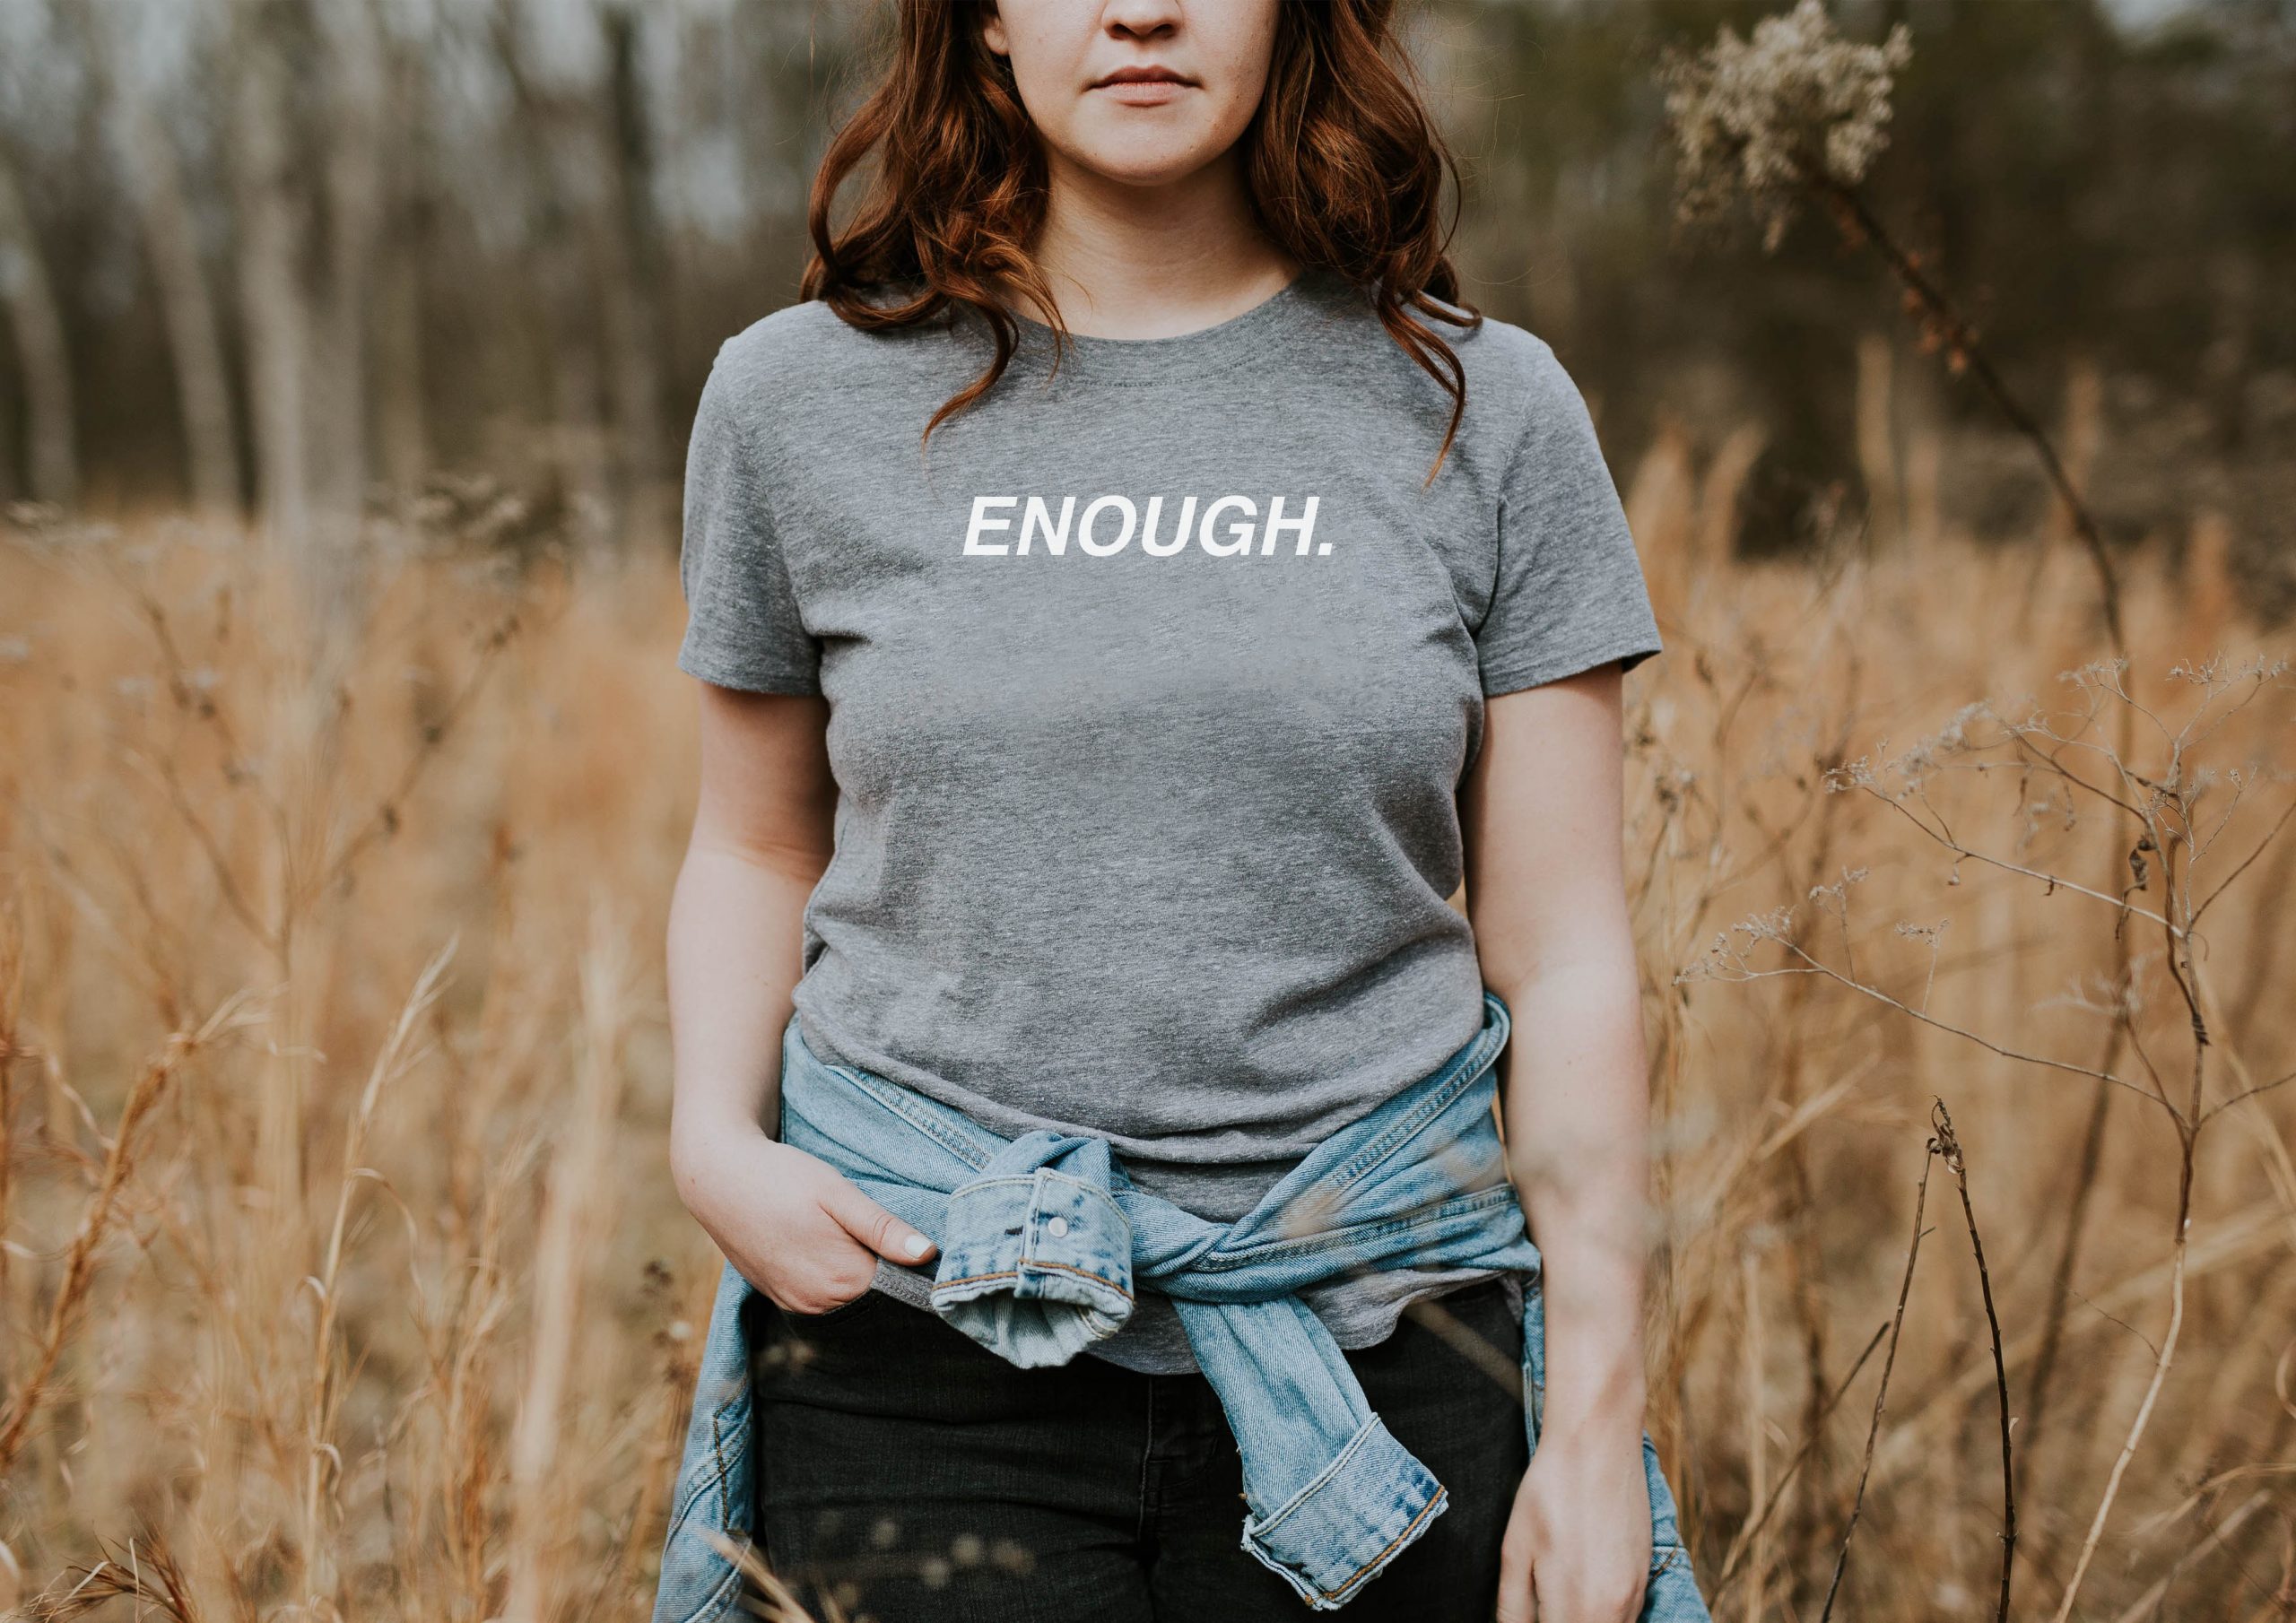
917 1477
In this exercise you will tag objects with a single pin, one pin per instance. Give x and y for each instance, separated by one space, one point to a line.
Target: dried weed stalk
2182 824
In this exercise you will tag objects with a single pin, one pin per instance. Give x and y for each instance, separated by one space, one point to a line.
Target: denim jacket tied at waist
1044 1240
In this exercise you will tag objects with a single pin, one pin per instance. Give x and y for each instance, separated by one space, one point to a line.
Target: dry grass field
343 1278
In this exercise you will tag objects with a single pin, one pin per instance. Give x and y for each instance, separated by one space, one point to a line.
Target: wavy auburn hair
1343 165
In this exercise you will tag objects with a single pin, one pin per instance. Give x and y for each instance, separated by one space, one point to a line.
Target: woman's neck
1136 262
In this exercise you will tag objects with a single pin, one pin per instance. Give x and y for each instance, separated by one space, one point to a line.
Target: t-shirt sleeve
742 625
1568 594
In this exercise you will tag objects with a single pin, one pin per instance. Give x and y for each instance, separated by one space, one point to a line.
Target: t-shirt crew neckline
1262 329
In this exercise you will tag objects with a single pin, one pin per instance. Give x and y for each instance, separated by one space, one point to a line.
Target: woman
1099 707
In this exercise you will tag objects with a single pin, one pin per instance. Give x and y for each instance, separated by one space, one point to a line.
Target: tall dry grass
344 1277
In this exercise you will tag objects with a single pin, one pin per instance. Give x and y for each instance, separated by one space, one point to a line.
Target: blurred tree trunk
310 183
629 262
187 304
356 107
9 490
402 427
36 322
273 219
565 314
1878 463
592 167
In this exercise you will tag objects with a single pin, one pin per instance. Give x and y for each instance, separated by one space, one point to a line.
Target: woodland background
347 349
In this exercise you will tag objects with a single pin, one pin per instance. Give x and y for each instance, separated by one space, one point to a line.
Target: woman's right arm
795 1227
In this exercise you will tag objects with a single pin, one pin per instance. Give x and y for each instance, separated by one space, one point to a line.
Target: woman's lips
1143 92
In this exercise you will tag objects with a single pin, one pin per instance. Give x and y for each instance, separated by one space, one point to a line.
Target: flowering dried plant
1768 115
1796 113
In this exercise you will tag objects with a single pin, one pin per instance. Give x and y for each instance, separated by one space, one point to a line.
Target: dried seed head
1764 119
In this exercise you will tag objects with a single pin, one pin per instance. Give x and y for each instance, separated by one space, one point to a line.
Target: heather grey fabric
1152 683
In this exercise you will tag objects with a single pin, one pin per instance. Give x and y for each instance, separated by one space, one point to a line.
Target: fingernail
917 1245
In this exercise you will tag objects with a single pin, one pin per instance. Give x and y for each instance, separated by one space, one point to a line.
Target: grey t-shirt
1152 685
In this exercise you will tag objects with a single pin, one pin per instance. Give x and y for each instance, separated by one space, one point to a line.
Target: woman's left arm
1540 811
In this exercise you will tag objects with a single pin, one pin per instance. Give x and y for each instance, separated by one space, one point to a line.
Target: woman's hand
1577 1549
790 1223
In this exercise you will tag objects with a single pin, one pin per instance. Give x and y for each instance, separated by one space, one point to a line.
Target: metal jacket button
1057 1227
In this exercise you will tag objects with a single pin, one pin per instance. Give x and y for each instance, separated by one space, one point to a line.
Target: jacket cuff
1374 1497
1041 1267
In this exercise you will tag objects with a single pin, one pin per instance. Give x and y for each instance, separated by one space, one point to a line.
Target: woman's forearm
733 955
1576 1106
